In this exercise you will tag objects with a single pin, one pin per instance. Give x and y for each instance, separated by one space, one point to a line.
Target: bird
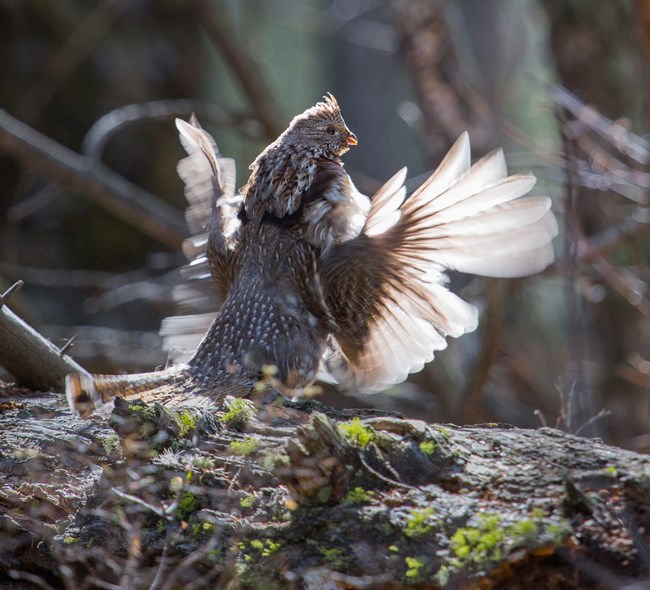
300 274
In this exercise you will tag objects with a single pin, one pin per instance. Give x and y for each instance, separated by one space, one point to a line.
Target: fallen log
267 493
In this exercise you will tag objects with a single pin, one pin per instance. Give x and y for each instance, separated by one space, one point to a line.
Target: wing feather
386 288
210 181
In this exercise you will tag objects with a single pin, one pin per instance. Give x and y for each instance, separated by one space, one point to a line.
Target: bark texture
273 494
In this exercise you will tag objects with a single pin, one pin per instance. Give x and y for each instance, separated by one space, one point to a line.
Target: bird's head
322 129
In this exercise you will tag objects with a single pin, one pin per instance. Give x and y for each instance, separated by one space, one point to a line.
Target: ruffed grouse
308 275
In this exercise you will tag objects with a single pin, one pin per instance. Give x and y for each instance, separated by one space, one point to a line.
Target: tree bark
273 494
32 359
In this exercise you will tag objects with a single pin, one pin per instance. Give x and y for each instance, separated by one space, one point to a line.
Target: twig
31 578
106 188
623 140
376 473
634 296
136 500
602 414
162 563
68 345
576 326
10 292
34 361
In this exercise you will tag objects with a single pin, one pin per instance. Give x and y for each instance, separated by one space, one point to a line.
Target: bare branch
623 140
34 361
104 187
105 127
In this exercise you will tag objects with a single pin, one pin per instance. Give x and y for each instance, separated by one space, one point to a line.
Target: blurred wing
212 216
386 288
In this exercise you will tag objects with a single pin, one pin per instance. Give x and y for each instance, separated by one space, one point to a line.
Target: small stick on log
32 359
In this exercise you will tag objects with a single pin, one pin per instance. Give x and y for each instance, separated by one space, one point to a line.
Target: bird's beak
351 139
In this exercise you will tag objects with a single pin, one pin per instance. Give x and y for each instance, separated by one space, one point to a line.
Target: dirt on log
272 494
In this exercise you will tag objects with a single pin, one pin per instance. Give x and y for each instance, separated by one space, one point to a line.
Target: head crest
327 109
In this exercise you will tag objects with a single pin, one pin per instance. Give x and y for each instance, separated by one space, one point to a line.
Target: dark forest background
561 85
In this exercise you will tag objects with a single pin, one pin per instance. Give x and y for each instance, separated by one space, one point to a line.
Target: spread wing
212 217
386 288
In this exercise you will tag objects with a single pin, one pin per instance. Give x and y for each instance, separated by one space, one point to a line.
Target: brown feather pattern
301 271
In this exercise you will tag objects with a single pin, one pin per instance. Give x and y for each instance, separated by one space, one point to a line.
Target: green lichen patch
428 447
202 462
112 446
247 501
188 503
252 549
274 458
356 432
238 412
416 522
413 567
246 446
490 539
188 421
358 495
202 528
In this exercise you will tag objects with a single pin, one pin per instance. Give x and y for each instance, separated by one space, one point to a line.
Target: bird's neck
280 175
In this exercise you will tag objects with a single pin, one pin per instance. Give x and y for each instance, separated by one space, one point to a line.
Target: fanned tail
87 393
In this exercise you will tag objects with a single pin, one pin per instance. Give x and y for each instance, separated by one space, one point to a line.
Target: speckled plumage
302 272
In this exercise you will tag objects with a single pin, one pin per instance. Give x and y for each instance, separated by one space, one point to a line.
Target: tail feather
87 393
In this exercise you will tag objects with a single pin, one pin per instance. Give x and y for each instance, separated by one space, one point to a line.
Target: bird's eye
331 130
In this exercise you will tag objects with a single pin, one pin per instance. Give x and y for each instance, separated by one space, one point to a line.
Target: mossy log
272 494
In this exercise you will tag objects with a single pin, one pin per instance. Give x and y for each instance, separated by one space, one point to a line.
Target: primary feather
391 307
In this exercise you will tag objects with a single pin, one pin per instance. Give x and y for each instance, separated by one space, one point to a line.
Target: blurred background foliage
569 348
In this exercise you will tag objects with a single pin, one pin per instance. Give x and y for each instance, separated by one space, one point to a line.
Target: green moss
112 445
187 503
274 458
413 567
558 532
442 576
270 547
238 412
244 447
188 421
331 555
416 522
247 501
260 547
175 484
490 540
358 496
200 528
443 431
428 447
69 540
355 432
523 528
203 462
482 543
324 494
